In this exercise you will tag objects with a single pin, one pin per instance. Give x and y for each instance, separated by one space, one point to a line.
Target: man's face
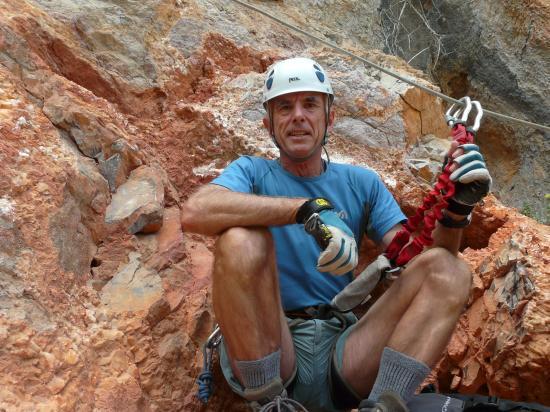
299 123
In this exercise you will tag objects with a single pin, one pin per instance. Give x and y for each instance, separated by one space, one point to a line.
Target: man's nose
298 112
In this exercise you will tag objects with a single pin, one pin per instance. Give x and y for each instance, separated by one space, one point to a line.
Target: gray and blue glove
471 177
334 237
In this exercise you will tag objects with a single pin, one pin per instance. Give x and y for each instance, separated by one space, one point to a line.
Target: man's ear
265 121
330 121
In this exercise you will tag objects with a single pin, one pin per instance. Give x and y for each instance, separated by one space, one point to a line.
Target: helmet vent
269 81
320 76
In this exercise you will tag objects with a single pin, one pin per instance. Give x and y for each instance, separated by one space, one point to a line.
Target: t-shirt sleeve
238 176
384 212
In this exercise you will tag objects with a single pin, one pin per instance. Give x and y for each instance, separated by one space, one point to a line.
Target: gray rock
430 148
138 205
372 132
253 115
115 33
186 36
123 158
72 238
111 169
423 169
425 159
134 288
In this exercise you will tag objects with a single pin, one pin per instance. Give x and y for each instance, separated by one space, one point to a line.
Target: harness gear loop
205 378
400 250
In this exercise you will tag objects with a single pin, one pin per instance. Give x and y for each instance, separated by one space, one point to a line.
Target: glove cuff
459 208
455 224
312 206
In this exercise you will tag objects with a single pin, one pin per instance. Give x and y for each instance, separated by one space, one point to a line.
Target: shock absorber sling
401 250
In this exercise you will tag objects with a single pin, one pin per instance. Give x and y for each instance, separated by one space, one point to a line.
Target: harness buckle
393 273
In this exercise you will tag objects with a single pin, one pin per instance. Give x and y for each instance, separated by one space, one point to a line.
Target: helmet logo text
293 79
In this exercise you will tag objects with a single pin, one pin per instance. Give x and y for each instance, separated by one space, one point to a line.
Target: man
270 273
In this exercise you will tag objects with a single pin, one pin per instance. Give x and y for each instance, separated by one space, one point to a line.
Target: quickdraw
400 251
204 380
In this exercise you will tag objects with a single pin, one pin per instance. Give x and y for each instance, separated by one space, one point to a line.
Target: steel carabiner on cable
452 118
477 120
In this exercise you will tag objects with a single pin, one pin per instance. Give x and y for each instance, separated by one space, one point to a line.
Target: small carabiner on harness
392 273
204 380
452 118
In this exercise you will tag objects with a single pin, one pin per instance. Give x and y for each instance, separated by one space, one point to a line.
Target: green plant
527 210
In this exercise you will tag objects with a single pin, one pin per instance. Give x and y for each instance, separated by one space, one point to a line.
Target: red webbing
400 251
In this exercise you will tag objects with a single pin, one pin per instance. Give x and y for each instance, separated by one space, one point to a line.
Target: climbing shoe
272 397
387 402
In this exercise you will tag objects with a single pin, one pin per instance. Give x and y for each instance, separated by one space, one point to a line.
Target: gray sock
257 373
399 373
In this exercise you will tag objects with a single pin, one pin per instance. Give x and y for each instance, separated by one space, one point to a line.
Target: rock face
138 204
498 344
111 114
489 50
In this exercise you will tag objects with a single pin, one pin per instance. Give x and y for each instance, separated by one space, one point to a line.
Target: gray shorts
314 340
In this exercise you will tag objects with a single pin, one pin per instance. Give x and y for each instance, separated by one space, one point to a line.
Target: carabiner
479 115
452 118
215 338
393 273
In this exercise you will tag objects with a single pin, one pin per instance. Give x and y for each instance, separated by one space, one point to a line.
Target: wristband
449 222
459 208
310 207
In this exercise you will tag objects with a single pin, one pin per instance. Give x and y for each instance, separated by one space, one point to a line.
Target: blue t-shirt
359 197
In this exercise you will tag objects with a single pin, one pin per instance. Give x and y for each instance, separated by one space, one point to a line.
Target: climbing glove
334 237
472 179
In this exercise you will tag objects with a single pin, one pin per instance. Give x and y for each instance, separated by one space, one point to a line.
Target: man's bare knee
446 275
243 251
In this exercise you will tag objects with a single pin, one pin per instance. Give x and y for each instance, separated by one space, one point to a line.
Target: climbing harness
400 251
383 69
205 378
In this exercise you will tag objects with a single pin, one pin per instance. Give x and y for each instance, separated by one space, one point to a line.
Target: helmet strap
327 117
271 127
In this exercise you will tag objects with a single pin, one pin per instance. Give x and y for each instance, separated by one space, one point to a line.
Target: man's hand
334 237
470 174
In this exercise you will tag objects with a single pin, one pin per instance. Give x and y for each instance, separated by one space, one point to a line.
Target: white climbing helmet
296 75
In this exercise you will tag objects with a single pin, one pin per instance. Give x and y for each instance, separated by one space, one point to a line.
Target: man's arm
444 237
448 238
213 209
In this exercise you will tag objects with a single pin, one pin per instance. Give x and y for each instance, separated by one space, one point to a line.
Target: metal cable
387 71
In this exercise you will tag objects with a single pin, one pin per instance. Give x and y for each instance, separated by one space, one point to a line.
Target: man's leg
409 326
248 307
